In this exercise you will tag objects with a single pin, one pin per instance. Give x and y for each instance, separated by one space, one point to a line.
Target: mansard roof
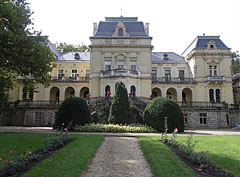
167 57
71 57
134 28
201 42
52 47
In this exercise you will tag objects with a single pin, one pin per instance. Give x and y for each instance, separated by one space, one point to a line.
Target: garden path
118 156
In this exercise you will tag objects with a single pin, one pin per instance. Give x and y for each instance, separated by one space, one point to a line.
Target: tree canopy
235 62
64 48
23 51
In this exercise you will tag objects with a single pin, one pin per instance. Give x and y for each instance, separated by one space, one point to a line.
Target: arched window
72 93
211 95
120 32
154 94
218 98
183 97
107 90
133 91
169 95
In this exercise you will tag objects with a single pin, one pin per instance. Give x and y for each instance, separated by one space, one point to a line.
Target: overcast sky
173 23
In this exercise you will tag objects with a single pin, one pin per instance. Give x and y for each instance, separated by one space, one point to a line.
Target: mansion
121 52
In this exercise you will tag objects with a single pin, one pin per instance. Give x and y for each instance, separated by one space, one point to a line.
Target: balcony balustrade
119 72
172 80
215 79
70 79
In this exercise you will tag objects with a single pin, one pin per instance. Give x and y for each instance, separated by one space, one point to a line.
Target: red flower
65 129
10 151
5 160
176 130
2 162
129 93
151 95
183 112
25 160
10 161
63 124
24 153
27 98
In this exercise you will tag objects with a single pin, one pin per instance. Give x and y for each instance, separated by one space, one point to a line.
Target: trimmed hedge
159 108
74 111
120 108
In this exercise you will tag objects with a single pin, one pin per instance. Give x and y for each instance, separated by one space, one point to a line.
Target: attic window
77 56
120 32
211 44
165 56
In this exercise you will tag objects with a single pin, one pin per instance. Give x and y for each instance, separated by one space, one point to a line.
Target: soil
208 171
30 164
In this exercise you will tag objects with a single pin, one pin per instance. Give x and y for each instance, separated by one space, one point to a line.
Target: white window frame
60 75
120 64
74 74
213 70
108 65
203 118
133 65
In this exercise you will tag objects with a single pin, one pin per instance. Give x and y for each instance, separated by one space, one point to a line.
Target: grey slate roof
54 49
200 42
133 27
158 57
69 57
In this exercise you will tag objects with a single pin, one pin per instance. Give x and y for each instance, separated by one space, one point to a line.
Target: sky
174 24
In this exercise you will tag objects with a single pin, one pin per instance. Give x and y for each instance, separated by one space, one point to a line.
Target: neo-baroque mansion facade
199 79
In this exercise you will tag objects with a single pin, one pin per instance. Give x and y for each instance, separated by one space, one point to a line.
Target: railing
119 72
139 102
215 78
172 80
70 79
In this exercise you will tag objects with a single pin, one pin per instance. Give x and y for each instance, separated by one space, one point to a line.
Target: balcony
172 80
215 79
119 73
70 79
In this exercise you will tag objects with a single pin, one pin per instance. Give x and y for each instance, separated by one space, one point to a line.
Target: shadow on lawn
227 164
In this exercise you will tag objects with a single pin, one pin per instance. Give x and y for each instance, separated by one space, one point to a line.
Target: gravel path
118 157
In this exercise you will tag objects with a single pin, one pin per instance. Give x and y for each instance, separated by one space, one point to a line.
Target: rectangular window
203 118
133 65
181 75
108 65
87 74
227 119
74 74
186 118
213 70
60 74
154 74
38 117
120 64
167 75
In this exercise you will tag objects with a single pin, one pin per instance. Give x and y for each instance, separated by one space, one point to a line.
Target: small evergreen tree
120 108
74 111
159 108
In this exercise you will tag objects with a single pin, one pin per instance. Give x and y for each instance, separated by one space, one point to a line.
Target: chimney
94 28
147 28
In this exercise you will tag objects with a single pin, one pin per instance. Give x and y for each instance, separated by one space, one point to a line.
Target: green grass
224 151
19 142
163 162
71 160
115 128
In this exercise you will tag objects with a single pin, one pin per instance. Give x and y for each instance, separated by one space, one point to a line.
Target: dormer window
211 45
77 56
165 56
120 32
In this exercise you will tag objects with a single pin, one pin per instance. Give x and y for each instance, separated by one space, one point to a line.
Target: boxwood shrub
159 108
74 111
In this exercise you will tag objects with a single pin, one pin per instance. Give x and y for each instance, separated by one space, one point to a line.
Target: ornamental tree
120 108
23 51
159 108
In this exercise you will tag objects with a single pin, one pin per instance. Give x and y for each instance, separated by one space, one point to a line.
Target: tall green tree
23 51
235 62
120 108
64 48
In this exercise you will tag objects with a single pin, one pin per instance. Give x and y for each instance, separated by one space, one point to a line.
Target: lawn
224 151
163 162
71 160
19 142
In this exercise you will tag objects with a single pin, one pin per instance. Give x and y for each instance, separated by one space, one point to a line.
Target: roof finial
203 34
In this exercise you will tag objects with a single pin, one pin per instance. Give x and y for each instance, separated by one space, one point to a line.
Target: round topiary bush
159 108
73 110
120 108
